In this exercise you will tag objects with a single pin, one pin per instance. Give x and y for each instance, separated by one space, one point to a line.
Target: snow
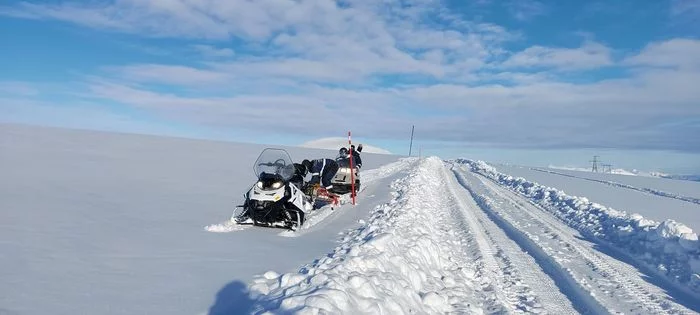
654 198
335 143
617 171
667 245
104 223
673 186
397 263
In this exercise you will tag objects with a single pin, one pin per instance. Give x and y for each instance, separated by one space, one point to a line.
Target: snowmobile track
501 263
614 284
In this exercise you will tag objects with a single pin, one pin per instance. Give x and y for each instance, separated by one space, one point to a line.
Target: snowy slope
100 223
679 187
655 198
454 240
335 143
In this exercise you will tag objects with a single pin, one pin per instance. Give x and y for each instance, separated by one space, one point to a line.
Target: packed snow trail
399 262
501 262
423 252
668 249
613 284
650 191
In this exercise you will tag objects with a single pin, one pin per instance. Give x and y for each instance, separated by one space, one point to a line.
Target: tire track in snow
644 190
614 284
520 285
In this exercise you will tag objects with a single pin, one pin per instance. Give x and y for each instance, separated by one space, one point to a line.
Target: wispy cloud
675 53
525 10
18 88
209 51
354 41
685 7
169 74
589 55
538 112
382 65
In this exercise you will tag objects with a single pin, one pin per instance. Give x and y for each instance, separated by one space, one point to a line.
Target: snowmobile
274 200
342 181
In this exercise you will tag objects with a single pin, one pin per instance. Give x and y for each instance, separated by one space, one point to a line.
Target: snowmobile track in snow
501 263
614 285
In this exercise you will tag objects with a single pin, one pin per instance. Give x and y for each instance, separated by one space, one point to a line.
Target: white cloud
677 53
348 42
363 65
213 52
169 74
589 55
525 10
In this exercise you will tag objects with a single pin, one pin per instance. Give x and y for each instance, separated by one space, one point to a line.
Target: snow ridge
640 189
399 262
671 248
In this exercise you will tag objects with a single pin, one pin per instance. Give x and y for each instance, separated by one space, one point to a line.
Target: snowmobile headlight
260 184
276 185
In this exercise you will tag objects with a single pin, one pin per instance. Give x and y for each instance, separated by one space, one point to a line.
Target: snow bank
335 143
670 247
396 263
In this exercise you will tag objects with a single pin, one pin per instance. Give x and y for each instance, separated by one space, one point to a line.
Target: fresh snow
654 198
660 183
335 143
412 257
669 246
617 171
102 223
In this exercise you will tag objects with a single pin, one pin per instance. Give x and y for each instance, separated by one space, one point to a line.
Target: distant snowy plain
99 223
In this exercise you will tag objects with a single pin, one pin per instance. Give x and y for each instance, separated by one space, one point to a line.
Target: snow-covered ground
616 171
98 223
659 183
634 172
654 198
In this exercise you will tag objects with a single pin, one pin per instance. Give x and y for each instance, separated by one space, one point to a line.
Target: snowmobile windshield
343 162
274 162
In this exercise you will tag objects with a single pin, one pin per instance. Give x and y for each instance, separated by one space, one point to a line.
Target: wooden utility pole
411 145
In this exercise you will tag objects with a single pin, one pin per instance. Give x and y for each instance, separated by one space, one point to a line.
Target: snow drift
335 143
669 247
396 263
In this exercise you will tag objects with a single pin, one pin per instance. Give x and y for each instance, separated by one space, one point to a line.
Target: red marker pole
352 170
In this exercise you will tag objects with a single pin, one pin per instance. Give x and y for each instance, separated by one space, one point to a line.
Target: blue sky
511 80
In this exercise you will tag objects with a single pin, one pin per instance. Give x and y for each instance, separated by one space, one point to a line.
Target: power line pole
411 146
595 163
